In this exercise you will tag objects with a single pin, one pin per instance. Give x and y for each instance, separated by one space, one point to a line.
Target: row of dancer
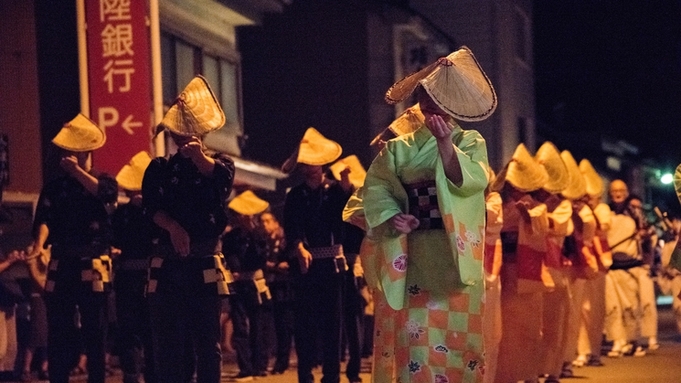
181 245
554 287
434 213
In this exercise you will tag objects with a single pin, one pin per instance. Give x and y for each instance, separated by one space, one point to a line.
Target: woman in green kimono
423 200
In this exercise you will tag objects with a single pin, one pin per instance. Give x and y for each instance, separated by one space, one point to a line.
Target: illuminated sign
118 59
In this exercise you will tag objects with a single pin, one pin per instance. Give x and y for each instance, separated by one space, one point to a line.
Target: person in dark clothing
279 282
133 242
72 216
244 249
354 303
185 195
314 232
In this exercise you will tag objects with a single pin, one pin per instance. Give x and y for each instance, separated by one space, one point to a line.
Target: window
181 61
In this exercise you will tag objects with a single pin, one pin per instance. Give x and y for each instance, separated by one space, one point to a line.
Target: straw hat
548 156
522 171
196 111
456 83
314 149
80 135
577 187
594 182
130 176
357 171
247 203
407 122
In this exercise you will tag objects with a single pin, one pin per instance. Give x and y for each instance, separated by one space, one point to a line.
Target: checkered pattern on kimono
423 204
96 272
216 278
442 337
154 274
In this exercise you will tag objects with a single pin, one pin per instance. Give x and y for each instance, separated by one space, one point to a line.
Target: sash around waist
197 249
326 252
251 275
424 205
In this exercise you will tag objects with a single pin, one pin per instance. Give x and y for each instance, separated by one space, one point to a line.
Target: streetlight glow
667 178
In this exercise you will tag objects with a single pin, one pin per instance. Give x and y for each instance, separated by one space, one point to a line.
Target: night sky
611 67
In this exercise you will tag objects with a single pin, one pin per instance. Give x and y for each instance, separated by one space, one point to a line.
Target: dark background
612 69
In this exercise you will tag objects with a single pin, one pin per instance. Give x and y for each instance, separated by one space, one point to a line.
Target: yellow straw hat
456 83
130 176
357 171
548 156
577 187
196 111
314 149
594 182
407 122
247 203
522 171
80 135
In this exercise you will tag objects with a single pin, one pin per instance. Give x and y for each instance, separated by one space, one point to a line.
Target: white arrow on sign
128 124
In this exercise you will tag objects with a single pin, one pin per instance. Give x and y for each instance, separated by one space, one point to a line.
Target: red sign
118 56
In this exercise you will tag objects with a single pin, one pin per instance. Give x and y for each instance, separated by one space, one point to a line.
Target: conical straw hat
523 172
196 111
548 156
407 122
131 174
314 149
594 182
677 182
247 203
456 83
357 171
577 187
80 135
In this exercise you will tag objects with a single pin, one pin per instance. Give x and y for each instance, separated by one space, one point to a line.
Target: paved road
660 366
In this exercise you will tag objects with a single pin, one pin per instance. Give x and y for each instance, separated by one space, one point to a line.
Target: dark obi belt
422 197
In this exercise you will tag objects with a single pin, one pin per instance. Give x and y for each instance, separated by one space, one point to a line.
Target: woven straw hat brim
357 171
577 187
593 181
523 172
131 174
247 203
315 149
407 122
196 111
80 135
400 90
548 156
457 84
677 182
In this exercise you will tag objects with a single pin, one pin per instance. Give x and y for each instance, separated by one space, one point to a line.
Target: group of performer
475 275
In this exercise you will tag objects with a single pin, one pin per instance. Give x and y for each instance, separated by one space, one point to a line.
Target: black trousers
248 322
318 308
353 315
282 311
183 312
70 297
134 325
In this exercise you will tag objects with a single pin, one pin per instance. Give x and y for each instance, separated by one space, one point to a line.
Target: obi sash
423 204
